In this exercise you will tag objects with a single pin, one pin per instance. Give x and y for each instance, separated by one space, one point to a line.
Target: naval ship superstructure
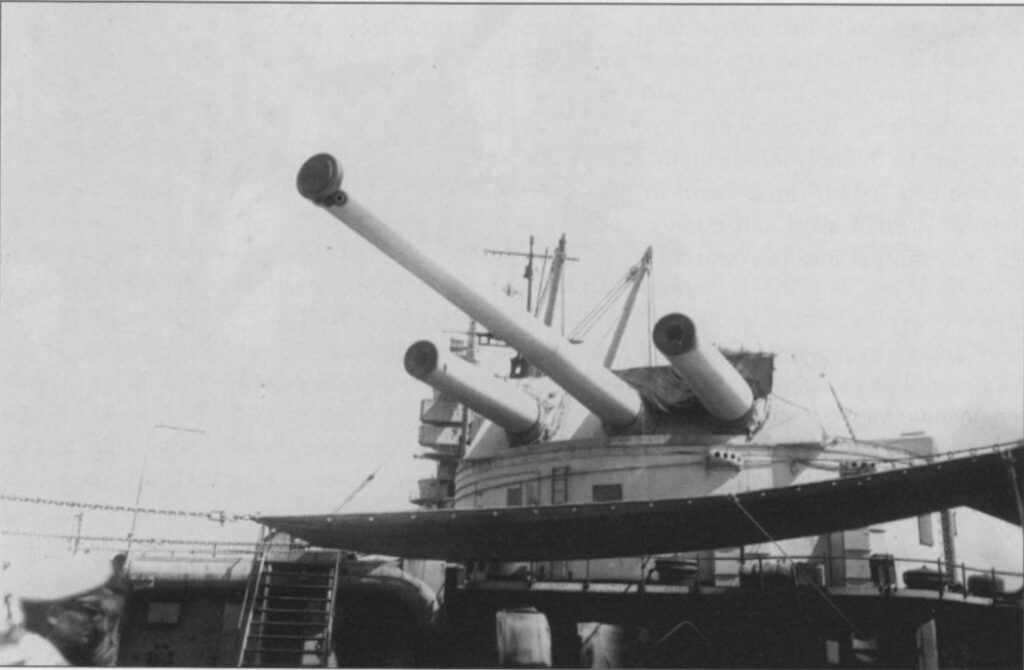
638 517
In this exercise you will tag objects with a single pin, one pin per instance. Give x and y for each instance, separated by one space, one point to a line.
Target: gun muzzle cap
421 359
675 334
319 178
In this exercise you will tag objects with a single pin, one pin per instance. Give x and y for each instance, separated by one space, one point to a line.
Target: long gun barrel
505 405
713 379
597 388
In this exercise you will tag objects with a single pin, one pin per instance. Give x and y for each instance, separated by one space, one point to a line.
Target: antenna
528 270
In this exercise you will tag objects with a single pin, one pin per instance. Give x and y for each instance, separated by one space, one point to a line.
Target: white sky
842 184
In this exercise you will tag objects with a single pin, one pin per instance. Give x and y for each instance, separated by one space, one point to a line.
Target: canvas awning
602 530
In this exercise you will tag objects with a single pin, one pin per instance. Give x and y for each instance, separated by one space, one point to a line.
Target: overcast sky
842 185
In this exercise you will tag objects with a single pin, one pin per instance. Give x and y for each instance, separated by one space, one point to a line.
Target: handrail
760 562
328 633
245 618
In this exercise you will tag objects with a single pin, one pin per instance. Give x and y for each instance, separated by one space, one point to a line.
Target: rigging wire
810 397
366 482
216 515
776 396
121 539
778 546
600 307
677 627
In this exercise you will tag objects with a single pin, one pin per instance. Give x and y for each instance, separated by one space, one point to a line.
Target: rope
216 515
817 588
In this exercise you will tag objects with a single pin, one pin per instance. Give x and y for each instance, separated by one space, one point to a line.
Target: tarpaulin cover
603 530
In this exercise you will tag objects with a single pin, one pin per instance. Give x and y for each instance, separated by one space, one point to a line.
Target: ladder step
291 613
278 660
279 610
300 572
276 663
293 585
286 586
296 596
291 624
292 600
300 568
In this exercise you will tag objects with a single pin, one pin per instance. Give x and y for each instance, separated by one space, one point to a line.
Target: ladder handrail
254 596
249 603
259 552
328 631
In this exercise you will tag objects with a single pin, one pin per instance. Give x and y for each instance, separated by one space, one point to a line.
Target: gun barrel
505 405
596 387
713 379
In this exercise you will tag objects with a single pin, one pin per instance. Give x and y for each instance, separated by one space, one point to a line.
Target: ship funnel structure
598 389
713 379
507 406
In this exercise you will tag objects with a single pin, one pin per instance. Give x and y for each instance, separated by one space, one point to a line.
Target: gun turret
505 405
600 390
713 379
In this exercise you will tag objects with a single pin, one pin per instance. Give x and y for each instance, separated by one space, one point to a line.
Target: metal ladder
289 611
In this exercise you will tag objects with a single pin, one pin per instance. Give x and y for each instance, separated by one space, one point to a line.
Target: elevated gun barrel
596 387
505 405
713 379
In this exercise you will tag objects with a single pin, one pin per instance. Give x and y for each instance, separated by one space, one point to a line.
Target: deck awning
987 482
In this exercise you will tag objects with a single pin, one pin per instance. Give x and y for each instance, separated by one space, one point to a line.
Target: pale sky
843 185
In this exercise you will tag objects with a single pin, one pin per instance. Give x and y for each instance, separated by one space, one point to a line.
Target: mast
528 271
521 367
554 279
528 274
637 274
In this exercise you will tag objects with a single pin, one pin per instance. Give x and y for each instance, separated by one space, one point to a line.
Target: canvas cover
602 530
